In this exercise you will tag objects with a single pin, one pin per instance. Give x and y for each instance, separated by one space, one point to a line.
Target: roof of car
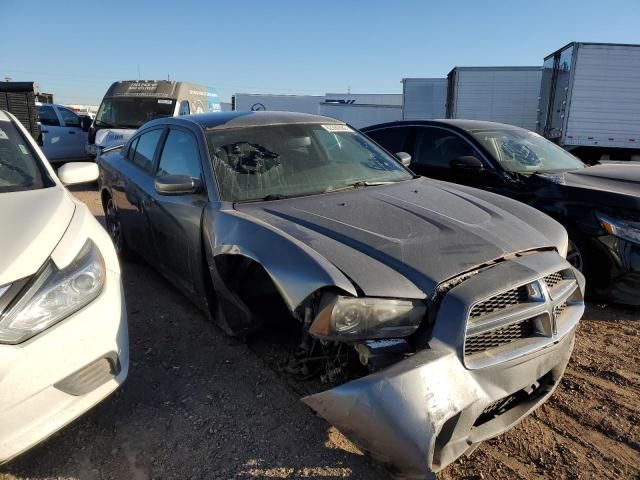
221 120
468 125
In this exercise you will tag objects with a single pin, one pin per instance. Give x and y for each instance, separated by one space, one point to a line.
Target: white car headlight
625 229
53 295
367 318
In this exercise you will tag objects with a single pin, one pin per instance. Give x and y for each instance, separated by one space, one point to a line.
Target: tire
114 229
575 256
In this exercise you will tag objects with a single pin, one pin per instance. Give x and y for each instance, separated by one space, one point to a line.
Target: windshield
292 160
523 151
19 170
132 112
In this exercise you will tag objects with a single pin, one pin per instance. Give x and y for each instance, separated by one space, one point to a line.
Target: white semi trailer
497 94
424 98
590 100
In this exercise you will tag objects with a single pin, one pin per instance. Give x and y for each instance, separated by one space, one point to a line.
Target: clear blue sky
75 49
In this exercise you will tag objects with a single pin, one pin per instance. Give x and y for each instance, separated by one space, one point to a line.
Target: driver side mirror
85 123
467 162
176 185
404 158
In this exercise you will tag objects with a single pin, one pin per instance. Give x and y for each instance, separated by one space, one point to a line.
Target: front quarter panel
296 269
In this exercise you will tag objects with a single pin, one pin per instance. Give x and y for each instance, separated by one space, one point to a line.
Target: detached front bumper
422 413
53 378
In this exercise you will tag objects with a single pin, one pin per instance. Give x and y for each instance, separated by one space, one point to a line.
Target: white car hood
33 222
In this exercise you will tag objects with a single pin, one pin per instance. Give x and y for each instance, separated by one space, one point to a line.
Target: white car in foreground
63 324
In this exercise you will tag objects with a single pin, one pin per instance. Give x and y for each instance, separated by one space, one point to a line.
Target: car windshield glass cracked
524 151
293 160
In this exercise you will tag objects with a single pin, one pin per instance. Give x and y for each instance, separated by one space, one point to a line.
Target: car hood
613 185
421 230
33 223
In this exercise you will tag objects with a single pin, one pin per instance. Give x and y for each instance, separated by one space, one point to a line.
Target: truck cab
64 133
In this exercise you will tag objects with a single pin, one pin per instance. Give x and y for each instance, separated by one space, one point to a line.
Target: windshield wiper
358 184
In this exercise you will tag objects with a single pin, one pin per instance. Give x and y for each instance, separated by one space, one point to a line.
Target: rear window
19 169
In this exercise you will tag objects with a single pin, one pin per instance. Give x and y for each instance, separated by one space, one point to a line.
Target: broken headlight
349 319
626 229
54 295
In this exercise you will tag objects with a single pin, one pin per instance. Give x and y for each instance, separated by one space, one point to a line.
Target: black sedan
599 205
421 306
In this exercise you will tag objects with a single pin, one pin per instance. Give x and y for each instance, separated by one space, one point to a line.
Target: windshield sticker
23 149
3 136
337 128
167 102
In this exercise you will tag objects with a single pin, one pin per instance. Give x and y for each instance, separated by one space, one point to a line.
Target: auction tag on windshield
3 135
337 128
162 100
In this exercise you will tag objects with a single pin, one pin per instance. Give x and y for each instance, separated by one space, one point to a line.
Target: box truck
497 94
590 100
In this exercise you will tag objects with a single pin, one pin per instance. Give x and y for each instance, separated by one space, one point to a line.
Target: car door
74 137
53 140
176 219
433 150
132 191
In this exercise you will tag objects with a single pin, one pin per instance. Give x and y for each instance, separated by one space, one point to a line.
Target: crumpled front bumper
422 413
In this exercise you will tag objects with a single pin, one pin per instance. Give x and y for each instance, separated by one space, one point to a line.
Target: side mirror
176 185
78 172
404 158
468 162
85 123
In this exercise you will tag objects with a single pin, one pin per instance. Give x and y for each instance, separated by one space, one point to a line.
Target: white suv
63 324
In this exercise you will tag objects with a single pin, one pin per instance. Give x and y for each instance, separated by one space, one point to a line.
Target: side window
69 118
132 149
180 155
184 108
145 149
436 147
48 116
393 139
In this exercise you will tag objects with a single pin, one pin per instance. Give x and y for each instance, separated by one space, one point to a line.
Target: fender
295 268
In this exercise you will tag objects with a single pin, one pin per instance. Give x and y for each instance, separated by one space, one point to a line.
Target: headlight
54 295
367 318
625 229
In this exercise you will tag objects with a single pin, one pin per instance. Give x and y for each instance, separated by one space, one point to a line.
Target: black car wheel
574 257
114 226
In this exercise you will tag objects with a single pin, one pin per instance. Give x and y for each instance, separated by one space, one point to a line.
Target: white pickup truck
64 133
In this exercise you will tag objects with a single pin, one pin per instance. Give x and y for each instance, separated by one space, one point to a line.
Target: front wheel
574 257
114 228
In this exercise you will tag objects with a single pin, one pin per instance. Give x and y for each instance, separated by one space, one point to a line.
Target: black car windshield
279 161
132 112
19 169
523 151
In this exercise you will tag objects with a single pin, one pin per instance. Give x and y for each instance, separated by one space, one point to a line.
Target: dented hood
402 240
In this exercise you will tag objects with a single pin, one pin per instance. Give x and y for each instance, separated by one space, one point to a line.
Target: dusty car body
457 305
598 205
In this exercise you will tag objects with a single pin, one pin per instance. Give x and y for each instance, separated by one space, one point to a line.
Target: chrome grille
553 279
498 337
512 297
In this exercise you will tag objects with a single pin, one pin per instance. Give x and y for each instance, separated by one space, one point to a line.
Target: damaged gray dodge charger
436 315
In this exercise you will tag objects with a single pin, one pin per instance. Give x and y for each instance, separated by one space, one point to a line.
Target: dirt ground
200 405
